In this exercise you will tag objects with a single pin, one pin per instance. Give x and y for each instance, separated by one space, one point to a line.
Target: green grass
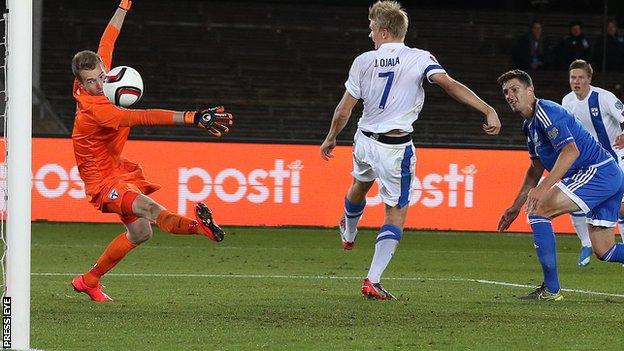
270 288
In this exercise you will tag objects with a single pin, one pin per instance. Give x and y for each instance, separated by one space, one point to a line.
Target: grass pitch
296 289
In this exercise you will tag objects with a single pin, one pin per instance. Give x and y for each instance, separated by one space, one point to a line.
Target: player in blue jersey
601 113
582 177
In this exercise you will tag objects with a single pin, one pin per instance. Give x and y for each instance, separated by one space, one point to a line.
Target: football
123 86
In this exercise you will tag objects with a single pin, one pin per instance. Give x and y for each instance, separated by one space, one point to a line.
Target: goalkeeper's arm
111 32
214 119
120 14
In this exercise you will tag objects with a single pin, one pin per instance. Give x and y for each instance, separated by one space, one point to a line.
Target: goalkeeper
114 184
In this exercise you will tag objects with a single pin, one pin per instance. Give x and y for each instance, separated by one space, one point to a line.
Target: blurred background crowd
536 50
280 66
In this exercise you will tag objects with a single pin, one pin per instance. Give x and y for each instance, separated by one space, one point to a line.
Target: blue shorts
598 191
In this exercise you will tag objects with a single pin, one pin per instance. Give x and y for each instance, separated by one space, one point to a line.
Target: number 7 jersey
389 81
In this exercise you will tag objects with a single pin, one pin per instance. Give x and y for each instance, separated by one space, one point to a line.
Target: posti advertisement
277 185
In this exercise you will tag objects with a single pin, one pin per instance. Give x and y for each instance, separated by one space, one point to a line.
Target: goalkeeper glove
214 119
125 5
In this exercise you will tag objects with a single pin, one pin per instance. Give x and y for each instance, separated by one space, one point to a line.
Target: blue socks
353 212
546 248
615 254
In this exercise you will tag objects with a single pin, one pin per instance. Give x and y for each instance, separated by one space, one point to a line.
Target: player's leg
621 221
620 225
386 244
354 204
355 199
606 249
554 203
116 250
582 231
395 185
138 230
621 214
173 223
603 219
387 241
605 213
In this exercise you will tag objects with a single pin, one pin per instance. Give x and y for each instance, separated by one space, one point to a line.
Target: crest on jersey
552 134
594 111
618 105
113 194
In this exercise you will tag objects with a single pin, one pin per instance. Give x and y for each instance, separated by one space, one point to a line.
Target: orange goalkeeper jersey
101 130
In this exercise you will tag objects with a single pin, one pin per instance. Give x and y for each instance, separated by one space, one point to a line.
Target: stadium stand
280 68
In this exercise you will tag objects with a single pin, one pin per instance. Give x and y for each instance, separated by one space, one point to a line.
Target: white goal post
18 85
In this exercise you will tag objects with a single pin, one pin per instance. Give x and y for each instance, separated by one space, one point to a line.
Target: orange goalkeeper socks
176 224
115 252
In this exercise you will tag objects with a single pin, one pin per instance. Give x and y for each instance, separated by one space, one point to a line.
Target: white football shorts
393 164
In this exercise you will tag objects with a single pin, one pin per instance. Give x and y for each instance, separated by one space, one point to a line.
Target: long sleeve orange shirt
101 129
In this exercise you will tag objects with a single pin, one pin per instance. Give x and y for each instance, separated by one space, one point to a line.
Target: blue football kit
594 182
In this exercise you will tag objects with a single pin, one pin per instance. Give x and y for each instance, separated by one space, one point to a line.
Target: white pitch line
159 247
262 276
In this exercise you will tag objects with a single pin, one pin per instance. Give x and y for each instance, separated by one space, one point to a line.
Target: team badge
113 194
553 133
618 105
594 111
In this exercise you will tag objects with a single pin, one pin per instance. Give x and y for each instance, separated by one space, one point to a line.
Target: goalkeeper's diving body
114 184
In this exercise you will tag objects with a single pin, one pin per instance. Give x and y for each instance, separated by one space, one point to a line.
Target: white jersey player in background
602 114
389 81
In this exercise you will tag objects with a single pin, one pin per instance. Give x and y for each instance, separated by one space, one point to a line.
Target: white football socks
384 250
580 225
387 242
351 228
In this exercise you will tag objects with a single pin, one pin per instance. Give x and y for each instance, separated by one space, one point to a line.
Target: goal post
18 37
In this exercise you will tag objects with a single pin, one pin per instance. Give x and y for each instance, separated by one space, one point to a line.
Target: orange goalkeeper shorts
119 192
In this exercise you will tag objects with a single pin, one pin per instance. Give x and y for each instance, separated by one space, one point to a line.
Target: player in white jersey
602 114
389 81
